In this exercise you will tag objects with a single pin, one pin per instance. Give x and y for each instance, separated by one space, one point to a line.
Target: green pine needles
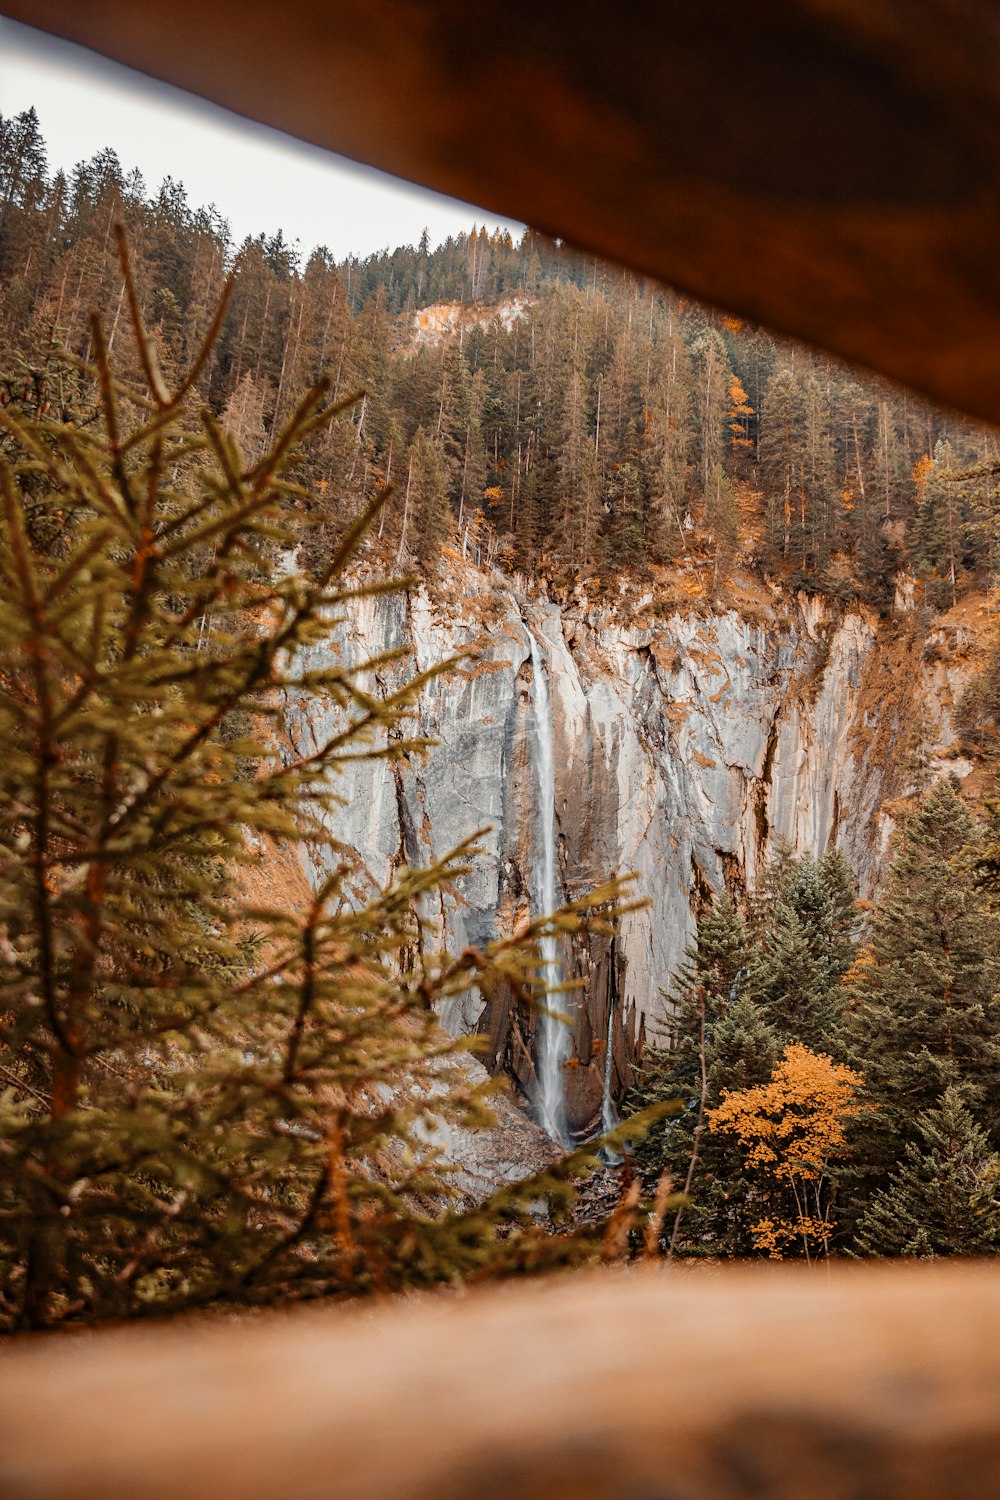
744 991
943 1197
203 1102
908 1017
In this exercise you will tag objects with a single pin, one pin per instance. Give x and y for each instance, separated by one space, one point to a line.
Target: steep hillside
571 418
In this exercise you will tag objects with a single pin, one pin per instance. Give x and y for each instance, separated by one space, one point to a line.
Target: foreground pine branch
203 1102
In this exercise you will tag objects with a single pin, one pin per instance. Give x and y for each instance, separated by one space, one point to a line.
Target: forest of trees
609 428
839 1083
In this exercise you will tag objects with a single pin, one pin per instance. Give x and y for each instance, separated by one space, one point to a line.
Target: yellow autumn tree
740 412
790 1129
922 470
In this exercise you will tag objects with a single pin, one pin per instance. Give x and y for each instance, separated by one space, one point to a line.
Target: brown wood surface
871 1383
829 167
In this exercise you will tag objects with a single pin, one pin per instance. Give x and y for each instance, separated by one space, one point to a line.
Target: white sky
258 178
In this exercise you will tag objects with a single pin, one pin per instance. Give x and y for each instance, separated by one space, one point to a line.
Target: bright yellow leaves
795 1123
921 470
739 401
740 412
790 1129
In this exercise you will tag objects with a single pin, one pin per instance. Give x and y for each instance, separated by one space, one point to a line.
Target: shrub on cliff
203 1101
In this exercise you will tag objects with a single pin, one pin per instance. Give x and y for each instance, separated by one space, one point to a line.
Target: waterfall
554 1042
609 1115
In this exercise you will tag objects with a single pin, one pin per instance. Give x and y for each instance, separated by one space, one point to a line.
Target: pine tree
573 441
711 404
806 946
787 978
741 994
668 445
244 417
431 516
718 1039
624 545
722 522
944 1198
925 1013
940 524
888 459
206 1100
842 891
596 360
818 511
781 460
22 183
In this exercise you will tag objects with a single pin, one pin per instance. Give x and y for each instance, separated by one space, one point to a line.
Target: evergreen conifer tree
925 1013
806 945
944 1198
624 545
780 469
430 512
939 527
718 1040
849 494
741 994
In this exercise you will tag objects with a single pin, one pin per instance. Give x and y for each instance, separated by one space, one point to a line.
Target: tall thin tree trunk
406 512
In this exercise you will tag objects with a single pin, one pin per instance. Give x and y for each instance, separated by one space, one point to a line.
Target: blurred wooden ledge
865 1383
828 167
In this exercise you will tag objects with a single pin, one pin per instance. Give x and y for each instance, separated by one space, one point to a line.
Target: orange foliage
738 397
790 1129
921 469
740 411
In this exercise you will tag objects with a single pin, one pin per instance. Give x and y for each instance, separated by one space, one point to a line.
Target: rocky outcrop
685 747
443 320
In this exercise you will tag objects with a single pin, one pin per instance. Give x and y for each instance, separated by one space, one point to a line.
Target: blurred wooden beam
723 1384
828 167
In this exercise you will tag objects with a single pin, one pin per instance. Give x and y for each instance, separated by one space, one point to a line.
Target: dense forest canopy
560 415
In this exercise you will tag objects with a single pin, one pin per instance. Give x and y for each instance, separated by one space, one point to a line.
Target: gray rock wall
684 748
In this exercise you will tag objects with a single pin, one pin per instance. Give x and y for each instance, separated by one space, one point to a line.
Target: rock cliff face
684 749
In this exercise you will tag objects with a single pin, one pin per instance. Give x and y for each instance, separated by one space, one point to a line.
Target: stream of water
554 1041
609 1114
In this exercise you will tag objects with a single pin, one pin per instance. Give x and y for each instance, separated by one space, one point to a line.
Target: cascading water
609 1115
554 1042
